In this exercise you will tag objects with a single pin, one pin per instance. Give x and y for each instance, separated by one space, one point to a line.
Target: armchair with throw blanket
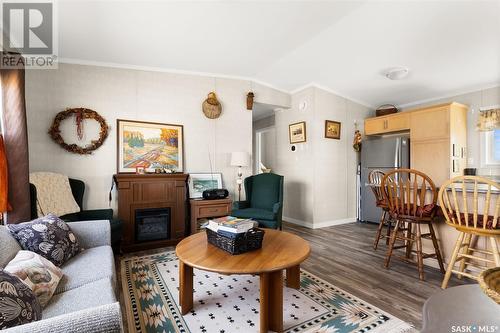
78 190
264 200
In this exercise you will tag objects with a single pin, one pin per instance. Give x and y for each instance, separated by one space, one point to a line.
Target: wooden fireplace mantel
152 191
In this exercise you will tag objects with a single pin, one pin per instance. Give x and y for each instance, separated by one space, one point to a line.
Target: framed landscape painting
199 182
149 145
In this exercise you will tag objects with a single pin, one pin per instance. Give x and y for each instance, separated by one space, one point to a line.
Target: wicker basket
489 280
244 242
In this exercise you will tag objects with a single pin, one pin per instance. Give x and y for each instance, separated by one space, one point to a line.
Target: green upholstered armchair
264 194
78 190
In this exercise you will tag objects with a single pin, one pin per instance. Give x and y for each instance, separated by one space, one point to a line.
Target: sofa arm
241 204
92 233
100 319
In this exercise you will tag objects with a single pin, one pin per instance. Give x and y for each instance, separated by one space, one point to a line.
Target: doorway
264 138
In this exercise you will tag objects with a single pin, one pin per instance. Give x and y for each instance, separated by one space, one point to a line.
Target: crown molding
457 93
319 86
82 62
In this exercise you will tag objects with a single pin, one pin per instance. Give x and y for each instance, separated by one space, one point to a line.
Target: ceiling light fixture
397 73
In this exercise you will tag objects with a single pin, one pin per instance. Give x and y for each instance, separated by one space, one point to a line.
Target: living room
251 166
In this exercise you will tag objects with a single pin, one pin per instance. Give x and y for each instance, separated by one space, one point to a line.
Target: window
490 148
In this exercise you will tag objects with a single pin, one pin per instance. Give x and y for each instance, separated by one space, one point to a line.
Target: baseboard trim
319 225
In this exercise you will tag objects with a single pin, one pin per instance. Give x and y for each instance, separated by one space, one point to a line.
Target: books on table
228 225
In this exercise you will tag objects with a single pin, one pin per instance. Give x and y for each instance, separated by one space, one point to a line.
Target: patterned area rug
227 304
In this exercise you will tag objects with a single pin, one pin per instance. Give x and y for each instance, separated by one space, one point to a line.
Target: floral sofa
85 299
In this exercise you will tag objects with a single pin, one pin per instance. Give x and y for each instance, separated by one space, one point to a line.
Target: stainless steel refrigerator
386 154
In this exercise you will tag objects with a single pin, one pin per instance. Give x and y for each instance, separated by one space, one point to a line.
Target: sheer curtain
16 142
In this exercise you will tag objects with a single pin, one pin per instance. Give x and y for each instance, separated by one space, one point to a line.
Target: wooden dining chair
471 205
375 180
411 196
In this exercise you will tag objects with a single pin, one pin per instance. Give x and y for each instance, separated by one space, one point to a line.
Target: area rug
230 303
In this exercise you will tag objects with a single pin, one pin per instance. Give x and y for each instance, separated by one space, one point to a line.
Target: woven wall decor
80 114
211 106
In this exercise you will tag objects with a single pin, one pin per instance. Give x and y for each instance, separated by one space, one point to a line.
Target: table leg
271 302
293 277
185 287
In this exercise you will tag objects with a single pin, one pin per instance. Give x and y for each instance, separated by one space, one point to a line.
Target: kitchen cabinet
387 124
438 138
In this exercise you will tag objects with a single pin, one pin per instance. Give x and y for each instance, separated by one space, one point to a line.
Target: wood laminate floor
343 255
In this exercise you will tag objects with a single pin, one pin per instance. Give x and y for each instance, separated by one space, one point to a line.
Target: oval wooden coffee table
280 251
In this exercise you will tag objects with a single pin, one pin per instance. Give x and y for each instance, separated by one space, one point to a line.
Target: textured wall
137 95
321 174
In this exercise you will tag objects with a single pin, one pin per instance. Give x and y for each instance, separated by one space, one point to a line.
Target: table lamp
240 159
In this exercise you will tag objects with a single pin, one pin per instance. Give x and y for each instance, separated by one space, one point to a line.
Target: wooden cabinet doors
430 124
387 124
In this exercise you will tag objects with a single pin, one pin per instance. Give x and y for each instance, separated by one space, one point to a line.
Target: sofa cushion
10 246
92 294
48 236
38 273
18 304
255 213
89 265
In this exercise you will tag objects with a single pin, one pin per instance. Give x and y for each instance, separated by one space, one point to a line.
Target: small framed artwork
332 129
150 146
140 170
199 182
297 132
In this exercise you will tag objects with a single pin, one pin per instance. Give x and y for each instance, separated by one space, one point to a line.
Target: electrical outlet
470 161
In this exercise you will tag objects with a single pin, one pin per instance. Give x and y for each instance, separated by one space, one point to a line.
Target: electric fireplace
152 224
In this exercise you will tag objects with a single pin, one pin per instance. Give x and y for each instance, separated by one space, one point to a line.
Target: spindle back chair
411 197
471 204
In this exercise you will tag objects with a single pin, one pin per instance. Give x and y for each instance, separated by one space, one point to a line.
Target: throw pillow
18 304
36 272
48 236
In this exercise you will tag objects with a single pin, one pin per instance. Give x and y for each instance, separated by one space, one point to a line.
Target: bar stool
411 196
375 180
471 205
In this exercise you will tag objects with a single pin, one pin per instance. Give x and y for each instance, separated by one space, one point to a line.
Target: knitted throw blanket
53 194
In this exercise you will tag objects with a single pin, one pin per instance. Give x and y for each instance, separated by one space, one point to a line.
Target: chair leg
391 245
463 262
453 259
409 243
494 249
420 260
379 230
388 232
439 257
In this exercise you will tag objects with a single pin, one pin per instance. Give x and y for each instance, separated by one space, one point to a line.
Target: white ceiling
450 46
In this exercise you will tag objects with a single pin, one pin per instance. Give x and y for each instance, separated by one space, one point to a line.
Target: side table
201 208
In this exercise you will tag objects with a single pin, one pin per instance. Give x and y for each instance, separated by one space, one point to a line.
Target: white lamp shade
240 159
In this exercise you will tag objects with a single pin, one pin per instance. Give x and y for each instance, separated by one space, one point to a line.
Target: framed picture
332 129
140 170
199 182
297 132
149 145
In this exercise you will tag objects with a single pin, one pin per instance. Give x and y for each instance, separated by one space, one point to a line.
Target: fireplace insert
152 224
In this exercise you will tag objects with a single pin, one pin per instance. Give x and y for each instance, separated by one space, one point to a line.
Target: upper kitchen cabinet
386 124
438 138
